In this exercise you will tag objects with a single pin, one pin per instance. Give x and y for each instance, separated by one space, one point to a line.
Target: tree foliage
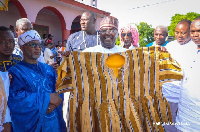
145 34
177 18
118 41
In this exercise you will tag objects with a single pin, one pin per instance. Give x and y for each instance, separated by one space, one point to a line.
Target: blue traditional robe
30 89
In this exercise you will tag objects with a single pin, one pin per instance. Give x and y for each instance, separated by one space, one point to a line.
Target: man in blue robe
33 103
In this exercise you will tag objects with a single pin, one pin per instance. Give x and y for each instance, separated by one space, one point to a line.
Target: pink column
65 34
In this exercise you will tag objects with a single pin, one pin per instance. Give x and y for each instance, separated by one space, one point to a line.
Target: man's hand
55 99
7 127
10 77
55 65
50 108
66 53
54 55
161 48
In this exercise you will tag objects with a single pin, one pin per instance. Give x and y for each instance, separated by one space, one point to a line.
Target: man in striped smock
105 97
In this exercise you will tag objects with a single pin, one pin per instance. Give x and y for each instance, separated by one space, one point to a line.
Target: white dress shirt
47 54
189 103
171 90
101 49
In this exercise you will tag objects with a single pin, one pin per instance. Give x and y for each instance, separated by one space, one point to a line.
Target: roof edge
78 4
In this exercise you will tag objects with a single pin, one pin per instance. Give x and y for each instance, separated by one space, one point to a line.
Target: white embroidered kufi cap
28 36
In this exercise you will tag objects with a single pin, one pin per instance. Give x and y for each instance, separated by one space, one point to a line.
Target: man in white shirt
108 36
48 54
178 50
188 116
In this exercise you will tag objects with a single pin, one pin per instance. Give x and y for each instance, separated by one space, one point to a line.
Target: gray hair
164 28
22 20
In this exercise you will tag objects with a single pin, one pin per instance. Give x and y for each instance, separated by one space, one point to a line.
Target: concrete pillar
65 34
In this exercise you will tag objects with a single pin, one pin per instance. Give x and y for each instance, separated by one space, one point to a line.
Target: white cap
28 36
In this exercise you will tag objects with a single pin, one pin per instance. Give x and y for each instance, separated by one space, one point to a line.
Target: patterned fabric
5 65
28 36
109 21
6 84
17 50
29 98
80 40
131 102
64 79
3 103
4 5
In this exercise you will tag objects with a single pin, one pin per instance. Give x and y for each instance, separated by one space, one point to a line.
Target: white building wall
53 22
33 7
9 17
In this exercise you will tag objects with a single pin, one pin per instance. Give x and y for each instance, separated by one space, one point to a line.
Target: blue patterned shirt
5 65
80 40
29 98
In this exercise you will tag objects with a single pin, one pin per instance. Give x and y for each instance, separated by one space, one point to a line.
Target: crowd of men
29 101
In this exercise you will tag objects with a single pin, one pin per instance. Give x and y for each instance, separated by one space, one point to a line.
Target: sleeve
25 105
7 116
169 69
69 43
47 54
64 79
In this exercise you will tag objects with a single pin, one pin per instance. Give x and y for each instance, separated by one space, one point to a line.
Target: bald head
92 14
182 31
87 22
23 25
195 31
160 34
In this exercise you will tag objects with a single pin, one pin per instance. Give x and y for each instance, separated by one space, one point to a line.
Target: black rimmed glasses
34 45
126 34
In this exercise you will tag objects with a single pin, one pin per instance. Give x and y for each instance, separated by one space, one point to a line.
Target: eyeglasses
34 45
106 31
4 41
124 34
